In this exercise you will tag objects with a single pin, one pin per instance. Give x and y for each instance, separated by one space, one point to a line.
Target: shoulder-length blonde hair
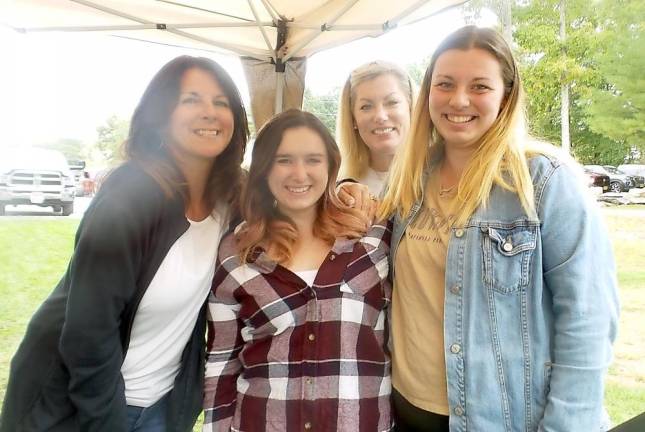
266 227
500 157
354 151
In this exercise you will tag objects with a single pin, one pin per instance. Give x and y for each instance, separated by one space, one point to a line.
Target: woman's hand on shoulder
358 196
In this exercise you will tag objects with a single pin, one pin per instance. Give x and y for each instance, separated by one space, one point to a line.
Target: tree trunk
505 19
564 88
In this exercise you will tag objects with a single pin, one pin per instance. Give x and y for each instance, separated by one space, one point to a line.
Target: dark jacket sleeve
102 282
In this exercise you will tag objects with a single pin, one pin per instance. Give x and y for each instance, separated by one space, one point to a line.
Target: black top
66 374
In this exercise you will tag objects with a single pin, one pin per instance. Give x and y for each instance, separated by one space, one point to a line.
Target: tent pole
279 92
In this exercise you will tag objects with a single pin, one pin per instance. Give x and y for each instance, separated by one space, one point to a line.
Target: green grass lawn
34 253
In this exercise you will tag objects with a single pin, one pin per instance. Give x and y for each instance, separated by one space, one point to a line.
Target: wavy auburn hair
149 128
266 227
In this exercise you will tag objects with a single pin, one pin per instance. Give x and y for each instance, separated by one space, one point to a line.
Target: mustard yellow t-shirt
418 363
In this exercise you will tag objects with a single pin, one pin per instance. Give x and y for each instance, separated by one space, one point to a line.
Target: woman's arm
223 348
579 272
102 279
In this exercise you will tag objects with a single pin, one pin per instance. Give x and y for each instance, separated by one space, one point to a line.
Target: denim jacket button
459 411
455 348
459 233
454 289
484 229
508 246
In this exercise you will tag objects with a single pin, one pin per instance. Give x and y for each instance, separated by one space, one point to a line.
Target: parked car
637 180
596 180
36 176
77 167
617 182
633 169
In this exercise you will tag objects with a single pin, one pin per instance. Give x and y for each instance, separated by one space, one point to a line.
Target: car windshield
613 170
35 159
597 169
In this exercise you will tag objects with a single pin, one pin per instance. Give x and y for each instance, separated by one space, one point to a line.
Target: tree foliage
111 137
324 106
616 108
71 148
602 89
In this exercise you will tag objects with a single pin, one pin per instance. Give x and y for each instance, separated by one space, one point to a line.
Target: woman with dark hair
119 344
297 313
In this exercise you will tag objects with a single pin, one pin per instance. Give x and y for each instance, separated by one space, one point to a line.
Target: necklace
445 191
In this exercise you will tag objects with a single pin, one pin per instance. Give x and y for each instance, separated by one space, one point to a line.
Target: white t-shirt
309 276
166 316
374 180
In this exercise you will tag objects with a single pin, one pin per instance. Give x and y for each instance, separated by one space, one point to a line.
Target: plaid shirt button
332 257
311 337
307 426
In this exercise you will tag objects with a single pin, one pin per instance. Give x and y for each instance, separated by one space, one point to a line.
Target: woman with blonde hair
373 120
504 303
297 313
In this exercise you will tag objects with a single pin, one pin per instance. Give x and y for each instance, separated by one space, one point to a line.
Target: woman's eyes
195 99
481 87
287 161
367 107
445 85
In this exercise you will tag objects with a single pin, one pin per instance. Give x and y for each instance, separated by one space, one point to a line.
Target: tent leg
279 90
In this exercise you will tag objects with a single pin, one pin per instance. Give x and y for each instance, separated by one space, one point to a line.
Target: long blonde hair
500 158
354 151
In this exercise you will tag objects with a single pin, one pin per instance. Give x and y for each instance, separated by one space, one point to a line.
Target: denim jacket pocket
507 256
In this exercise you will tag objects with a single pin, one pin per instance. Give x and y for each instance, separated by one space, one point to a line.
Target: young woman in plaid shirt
297 312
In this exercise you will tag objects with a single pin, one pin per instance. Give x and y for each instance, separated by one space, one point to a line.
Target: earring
275 203
355 127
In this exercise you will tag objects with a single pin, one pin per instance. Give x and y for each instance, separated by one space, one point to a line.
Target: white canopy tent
272 37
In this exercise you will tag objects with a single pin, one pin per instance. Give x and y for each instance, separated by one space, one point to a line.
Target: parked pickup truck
36 177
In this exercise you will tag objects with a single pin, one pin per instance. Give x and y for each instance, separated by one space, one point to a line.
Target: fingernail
351 202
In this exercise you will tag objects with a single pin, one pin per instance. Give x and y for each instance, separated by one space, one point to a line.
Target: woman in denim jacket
504 303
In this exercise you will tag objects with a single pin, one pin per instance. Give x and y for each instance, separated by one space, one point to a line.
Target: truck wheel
616 186
56 208
1 209
68 209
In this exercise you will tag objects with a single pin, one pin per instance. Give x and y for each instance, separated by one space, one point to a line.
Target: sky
58 85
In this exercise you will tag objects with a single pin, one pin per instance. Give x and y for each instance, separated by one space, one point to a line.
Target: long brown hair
266 226
148 128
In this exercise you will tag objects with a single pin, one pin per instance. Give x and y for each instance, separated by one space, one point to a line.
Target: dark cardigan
66 374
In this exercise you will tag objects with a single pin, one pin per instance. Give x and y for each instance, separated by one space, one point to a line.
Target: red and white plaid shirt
284 356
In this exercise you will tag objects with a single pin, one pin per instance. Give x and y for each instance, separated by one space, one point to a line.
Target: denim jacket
530 310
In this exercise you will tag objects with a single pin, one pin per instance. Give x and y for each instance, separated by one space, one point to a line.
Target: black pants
409 418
